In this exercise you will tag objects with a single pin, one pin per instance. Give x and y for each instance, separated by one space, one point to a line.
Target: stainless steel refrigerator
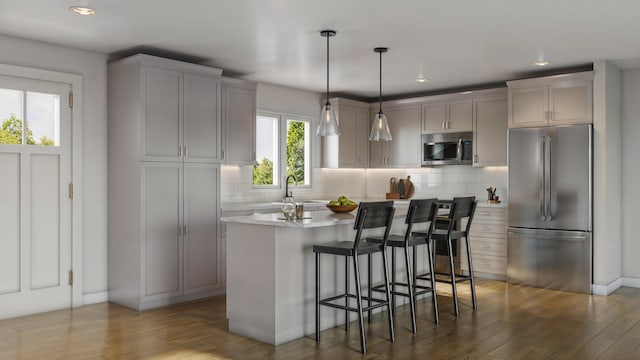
550 207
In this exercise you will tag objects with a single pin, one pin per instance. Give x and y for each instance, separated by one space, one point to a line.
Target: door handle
547 162
541 179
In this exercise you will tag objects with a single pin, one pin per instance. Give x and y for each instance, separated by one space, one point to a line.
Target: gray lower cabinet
179 238
488 239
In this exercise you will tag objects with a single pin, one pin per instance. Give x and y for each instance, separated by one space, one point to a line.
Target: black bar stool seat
371 215
345 248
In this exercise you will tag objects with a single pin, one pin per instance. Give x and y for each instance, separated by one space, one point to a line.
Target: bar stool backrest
371 215
421 211
462 207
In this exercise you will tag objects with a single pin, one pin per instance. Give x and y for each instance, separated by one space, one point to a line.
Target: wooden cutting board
408 188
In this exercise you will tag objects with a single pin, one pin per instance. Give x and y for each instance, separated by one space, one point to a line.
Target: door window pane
11 116
42 125
43 119
265 171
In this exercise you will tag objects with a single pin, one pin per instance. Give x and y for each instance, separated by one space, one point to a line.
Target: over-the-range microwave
454 148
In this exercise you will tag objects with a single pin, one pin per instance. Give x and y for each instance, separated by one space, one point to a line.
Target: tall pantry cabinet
165 149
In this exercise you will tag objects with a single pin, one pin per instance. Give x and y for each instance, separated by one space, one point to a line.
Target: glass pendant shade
380 129
328 121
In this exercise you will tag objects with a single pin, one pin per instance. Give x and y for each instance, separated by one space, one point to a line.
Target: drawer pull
485 228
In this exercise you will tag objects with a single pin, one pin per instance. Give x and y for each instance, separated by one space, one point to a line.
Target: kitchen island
271 272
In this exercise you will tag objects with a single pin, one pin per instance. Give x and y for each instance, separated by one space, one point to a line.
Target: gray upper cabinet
447 115
490 129
239 118
351 148
202 127
404 149
181 116
553 100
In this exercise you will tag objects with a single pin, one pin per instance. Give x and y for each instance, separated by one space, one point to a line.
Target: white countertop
310 219
319 204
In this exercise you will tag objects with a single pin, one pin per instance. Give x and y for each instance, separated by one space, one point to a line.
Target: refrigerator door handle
547 190
540 236
542 177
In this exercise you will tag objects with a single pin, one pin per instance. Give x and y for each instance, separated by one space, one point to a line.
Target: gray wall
92 67
630 173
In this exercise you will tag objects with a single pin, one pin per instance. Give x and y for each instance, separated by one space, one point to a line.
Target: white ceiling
455 43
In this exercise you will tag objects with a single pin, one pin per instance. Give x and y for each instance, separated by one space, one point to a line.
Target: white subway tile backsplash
442 182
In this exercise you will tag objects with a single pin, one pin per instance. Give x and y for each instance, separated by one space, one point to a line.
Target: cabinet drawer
484 213
498 228
495 248
490 264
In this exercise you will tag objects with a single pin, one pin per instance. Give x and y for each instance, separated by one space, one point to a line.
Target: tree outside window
11 133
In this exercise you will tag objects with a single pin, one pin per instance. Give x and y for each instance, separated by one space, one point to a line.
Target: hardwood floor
512 322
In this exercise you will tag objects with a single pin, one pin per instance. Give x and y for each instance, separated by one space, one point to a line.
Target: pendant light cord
380 111
328 36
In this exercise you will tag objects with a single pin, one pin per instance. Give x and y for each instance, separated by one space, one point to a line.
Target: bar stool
420 211
461 208
370 215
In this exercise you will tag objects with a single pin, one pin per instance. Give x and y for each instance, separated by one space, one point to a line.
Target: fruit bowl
341 209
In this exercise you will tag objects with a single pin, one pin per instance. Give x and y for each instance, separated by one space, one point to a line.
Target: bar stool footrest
328 302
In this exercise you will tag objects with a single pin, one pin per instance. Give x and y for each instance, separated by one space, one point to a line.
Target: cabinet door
434 117
528 107
570 103
490 132
459 115
201 241
362 138
348 154
202 126
162 108
239 110
161 241
404 149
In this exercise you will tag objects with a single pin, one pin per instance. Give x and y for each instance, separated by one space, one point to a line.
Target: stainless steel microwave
447 148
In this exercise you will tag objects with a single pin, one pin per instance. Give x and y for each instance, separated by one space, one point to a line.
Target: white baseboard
631 282
94 298
615 285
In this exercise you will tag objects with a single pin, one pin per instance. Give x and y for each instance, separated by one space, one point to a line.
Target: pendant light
328 120
380 129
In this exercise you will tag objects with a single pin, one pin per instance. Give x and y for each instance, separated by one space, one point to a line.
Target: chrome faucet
287 193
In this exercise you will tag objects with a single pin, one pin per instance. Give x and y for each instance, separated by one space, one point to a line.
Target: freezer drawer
550 259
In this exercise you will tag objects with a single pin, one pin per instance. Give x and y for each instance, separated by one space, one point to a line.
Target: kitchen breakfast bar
271 272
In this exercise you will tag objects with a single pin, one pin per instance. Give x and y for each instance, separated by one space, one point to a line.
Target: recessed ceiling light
83 10
541 63
422 79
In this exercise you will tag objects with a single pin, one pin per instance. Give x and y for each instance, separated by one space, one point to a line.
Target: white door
35 208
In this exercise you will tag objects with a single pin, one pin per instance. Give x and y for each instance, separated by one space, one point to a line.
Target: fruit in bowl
342 205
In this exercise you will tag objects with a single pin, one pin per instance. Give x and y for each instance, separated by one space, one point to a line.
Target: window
40 126
283 146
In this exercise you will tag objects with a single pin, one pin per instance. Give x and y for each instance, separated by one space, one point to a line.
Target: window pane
298 150
43 119
265 171
10 116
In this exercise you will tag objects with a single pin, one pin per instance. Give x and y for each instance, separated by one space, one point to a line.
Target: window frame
283 117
